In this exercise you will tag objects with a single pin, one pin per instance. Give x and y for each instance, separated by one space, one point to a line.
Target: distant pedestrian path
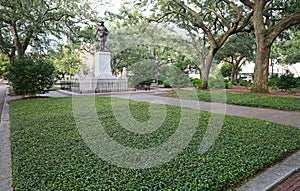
279 116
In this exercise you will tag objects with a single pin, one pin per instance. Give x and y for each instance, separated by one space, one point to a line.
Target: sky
107 5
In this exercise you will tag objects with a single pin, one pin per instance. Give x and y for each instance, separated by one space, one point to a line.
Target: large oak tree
219 19
37 23
270 19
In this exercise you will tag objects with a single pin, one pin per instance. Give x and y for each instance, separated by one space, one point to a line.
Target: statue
103 32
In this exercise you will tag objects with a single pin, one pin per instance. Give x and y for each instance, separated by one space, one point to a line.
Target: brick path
290 184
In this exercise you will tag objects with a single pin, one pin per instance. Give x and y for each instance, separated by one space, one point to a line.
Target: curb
5 149
273 176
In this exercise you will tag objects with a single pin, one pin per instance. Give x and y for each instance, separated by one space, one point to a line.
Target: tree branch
248 3
198 22
283 24
235 25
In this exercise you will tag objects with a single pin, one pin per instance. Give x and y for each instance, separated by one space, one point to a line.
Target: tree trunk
261 69
204 78
233 77
263 49
206 69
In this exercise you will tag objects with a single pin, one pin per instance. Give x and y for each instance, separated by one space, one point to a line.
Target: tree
131 43
220 19
38 24
270 19
238 50
226 69
67 62
217 19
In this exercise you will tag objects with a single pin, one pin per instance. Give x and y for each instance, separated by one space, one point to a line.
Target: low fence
95 85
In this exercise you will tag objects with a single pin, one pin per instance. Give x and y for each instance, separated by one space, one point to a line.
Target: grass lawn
49 153
245 99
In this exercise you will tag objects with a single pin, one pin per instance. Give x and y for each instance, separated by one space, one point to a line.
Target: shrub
298 82
273 80
217 83
228 84
196 82
177 78
166 83
31 76
244 83
287 81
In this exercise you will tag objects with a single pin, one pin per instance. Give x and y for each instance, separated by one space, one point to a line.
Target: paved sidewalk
5 149
284 117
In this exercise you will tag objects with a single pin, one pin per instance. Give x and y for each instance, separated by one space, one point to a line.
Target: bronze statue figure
103 32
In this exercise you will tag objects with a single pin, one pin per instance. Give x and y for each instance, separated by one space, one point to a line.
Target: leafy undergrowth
244 99
49 153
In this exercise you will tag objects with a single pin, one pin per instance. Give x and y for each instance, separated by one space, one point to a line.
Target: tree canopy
286 47
41 24
237 51
218 20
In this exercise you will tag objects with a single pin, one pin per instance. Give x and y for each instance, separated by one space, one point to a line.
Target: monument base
102 79
100 85
102 65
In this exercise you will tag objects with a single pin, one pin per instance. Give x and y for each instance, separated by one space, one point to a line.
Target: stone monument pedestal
102 68
103 80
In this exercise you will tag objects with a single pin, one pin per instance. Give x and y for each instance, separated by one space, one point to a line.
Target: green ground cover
49 153
244 99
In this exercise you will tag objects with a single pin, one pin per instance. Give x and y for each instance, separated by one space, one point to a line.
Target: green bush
228 84
244 83
287 81
166 83
30 76
273 80
298 82
217 83
196 82
177 78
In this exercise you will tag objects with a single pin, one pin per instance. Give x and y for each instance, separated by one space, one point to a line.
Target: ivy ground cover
244 99
50 154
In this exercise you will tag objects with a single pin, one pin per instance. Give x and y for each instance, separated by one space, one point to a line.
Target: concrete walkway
5 148
284 117
265 181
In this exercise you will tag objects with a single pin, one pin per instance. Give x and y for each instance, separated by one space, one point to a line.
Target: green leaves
67 62
31 75
49 154
36 23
